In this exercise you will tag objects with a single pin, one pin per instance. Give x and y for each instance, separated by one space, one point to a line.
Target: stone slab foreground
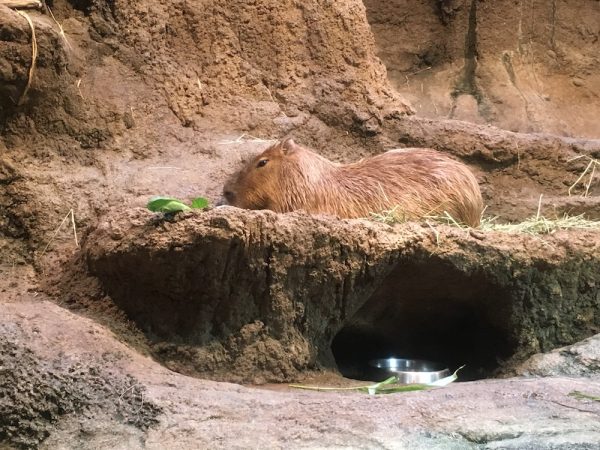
86 389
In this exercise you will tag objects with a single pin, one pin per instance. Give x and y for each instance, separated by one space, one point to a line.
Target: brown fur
416 182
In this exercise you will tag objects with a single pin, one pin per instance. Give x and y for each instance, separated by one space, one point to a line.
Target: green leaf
199 203
394 388
387 386
325 388
446 381
399 388
166 205
583 396
372 389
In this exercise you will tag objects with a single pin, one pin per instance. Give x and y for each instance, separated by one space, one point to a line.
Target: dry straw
34 53
590 168
537 224
61 30
541 224
244 138
36 4
70 215
34 46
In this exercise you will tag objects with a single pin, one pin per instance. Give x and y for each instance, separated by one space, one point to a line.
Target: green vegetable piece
387 386
373 388
199 203
166 205
397 388
446 381
583 396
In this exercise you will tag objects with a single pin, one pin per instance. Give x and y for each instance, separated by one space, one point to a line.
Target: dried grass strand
591 166
34 53
541 225
60 27
21 3
535 225
70 214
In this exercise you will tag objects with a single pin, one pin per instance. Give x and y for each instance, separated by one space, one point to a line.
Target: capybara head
259 184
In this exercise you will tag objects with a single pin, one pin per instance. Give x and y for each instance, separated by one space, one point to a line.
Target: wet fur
416 182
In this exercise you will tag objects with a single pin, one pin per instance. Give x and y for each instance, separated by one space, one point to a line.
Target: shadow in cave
430 310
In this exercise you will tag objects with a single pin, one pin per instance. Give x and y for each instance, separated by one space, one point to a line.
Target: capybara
411 182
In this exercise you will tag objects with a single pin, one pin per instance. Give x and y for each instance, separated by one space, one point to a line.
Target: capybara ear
288 146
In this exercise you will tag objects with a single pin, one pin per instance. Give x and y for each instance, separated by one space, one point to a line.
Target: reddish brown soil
532 66
258 296
146 98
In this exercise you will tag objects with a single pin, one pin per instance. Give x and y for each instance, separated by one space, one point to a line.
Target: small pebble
128 119
477 235
578 82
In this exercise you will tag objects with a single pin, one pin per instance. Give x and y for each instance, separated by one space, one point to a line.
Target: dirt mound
257 296
293 59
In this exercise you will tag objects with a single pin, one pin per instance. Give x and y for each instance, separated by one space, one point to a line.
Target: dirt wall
529 66
257 296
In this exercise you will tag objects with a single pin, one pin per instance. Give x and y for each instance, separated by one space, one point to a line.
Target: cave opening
430 310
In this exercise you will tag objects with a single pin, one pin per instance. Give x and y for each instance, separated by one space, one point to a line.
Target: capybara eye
262 163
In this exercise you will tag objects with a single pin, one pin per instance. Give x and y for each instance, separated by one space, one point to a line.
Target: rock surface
580 359
522 66
183 412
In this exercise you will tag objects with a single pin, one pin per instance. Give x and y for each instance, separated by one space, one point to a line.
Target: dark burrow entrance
430 310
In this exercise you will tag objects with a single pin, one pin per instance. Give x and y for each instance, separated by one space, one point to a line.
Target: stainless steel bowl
411 371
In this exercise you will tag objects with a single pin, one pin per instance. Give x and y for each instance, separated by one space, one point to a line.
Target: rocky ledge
67 382
254 296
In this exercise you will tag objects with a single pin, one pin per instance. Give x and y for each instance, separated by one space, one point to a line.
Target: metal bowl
411 371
